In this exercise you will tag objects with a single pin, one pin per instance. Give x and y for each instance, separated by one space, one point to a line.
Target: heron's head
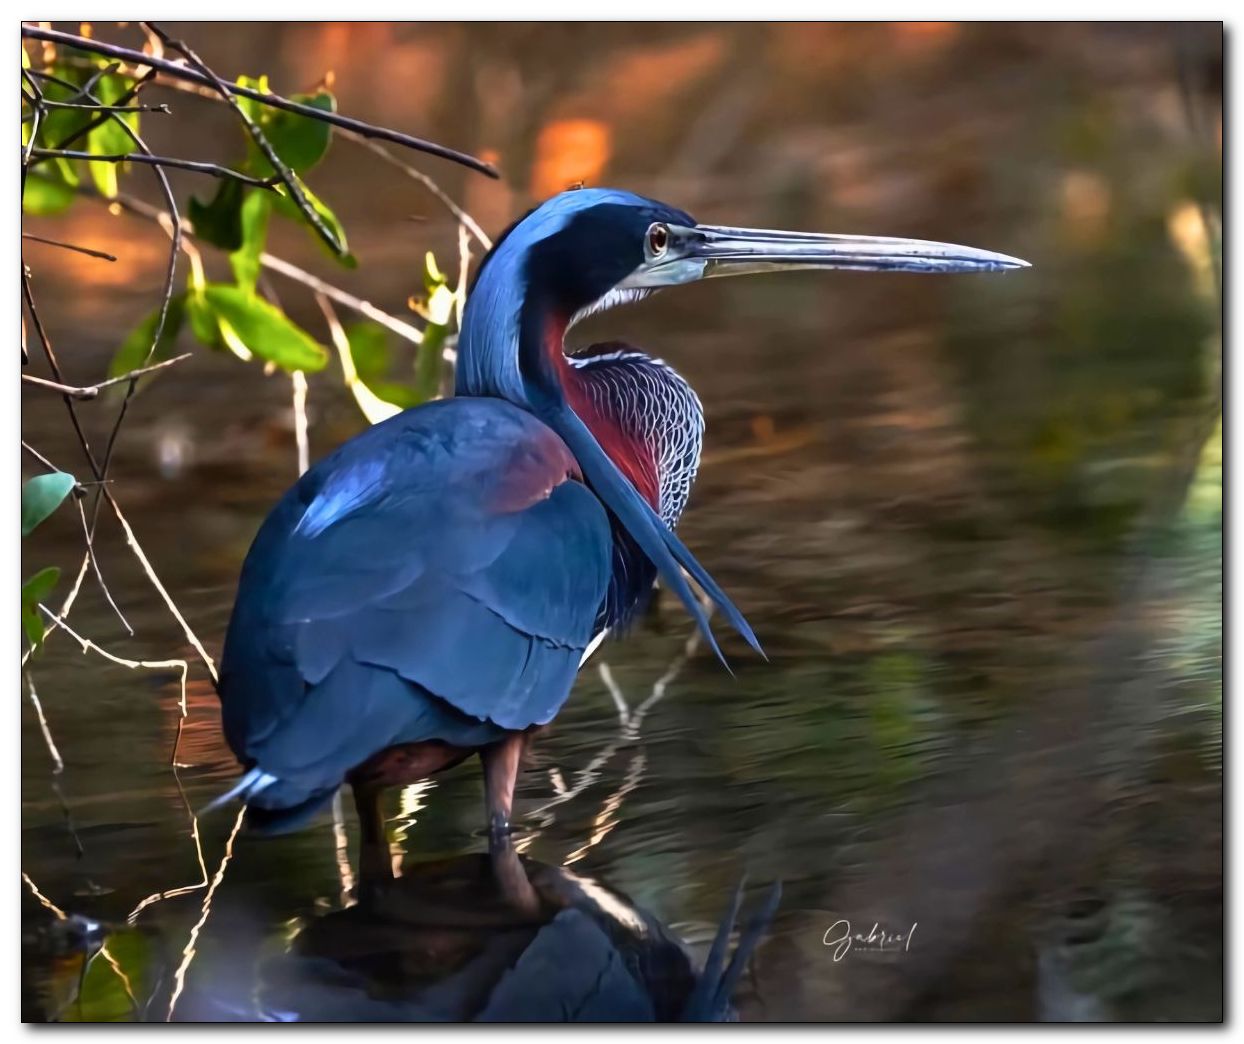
590 249
587 250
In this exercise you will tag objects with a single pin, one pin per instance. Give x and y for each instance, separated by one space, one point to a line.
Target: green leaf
399 394
438 310
369 347
245 260
34 591
132 354
110 138
203 321
41 496
288 208
264 329
300 141
105 989
219 221
45 195
59 125
429 361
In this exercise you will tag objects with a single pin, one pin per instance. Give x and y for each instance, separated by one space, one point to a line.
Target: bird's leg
375 860
501 763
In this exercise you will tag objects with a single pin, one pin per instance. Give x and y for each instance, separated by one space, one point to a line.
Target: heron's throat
624 444
513 348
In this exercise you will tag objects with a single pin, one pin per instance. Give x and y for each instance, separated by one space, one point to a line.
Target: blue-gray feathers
437 577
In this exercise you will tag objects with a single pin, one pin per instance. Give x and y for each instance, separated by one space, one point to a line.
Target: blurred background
975 521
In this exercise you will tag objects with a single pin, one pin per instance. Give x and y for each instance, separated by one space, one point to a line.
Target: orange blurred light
568 151
1085 206
923 37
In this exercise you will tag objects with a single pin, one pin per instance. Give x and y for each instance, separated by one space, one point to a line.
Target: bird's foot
508 870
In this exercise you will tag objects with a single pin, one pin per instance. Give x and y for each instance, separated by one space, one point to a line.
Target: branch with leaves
83 104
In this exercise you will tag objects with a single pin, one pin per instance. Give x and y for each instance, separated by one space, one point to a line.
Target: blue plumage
429 589
398 603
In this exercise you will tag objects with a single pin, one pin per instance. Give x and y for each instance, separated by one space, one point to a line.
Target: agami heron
430 589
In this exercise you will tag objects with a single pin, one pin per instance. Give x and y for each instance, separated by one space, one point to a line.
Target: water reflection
438 944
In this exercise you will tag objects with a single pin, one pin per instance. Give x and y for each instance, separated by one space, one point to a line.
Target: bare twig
462 217
77 135
630 726
355 304
99 576
182 72
171 893
196 166
47 903
58 763
34 125
66 605
188 954
89 646
299 380
50 355
69 246
91 391
191 637
162 108
39 457
374 408
464 269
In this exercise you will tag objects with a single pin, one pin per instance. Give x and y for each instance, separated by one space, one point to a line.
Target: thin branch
162 107
460 215
286 176
91 391
355 304
66 605
182 72
289 270
196 166
89 646
299 380
99 576
34 125
191 637
188 954
39 457
374 408
101 471
129 94
171 893
58 763
464 268
69 246
47 903
630 726
50 355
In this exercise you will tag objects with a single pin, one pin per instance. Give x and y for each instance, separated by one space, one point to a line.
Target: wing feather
442 568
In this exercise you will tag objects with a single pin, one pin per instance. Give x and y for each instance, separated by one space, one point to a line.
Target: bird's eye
658 239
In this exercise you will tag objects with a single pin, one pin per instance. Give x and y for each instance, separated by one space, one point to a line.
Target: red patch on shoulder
536 467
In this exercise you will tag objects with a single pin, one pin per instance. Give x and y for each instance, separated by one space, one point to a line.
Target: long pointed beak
739 251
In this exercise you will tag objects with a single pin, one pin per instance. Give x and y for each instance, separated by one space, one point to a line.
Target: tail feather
254 782
710 1000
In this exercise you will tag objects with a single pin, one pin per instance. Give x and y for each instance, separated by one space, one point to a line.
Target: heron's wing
448 551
